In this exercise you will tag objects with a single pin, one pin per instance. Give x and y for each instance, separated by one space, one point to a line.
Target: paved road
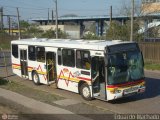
149 102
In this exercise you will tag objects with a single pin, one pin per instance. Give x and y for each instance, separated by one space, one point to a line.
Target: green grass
152 66
30 92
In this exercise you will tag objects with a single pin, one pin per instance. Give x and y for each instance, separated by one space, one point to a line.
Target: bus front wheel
85 92
35 78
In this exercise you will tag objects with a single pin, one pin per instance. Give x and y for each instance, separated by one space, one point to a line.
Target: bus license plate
130 90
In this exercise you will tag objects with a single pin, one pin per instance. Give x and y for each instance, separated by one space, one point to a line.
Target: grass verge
29 92
152 66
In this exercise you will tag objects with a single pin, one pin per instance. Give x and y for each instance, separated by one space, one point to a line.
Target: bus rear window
15 51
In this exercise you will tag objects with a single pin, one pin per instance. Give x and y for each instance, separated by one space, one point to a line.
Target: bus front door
51 67
98 78
23 62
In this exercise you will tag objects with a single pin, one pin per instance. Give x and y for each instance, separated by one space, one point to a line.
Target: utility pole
48 16
1 15
19 28
110 15
132 18
9 24
56 19
11 27
52 17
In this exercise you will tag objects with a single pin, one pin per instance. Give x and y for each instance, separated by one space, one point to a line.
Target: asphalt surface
148 102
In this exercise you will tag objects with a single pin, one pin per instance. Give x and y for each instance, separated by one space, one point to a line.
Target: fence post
4 60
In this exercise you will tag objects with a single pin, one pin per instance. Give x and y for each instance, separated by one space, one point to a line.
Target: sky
30 9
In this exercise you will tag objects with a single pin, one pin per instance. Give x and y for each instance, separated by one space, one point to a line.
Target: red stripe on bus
16 64
20 65
30 67
84 78
125 84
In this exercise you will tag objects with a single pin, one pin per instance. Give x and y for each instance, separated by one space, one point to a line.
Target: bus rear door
51 66
23 63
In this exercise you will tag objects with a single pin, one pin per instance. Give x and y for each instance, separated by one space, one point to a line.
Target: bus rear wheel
85 92
35 78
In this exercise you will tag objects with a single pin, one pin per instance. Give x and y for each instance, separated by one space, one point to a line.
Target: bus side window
68 57
15 51
40 54
59 56
83 59
32 53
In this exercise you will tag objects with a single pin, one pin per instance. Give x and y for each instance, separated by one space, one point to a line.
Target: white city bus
101 69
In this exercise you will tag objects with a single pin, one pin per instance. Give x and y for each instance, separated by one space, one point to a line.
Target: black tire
35 78
85 92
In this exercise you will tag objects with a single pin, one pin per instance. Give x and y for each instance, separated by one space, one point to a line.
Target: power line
26 4
26 7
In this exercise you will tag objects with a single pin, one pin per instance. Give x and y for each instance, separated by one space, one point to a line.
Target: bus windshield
125 67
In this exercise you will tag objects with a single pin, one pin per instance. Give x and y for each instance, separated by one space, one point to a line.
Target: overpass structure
79 20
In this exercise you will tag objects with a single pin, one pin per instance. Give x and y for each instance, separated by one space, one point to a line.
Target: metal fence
7 58
151 51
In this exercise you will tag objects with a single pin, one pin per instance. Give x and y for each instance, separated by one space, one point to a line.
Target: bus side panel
16 68
68 78
65 79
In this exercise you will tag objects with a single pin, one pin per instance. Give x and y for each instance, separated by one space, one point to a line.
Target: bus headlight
115 90
118 91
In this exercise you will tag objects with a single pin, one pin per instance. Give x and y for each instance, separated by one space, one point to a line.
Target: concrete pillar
41 22
82 27
62 22
122 22
99 28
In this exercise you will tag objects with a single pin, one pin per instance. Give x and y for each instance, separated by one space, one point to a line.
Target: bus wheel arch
84 90
35 77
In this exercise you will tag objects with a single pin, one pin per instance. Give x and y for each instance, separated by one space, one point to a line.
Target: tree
49 34
62 34
122 32
24 24
90 36
32 31
52 34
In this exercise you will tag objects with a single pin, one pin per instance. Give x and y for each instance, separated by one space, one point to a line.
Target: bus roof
68 43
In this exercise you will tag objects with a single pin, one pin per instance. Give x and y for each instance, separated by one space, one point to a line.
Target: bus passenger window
40 54
59 56
32 53
68 57
83 59
15 51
